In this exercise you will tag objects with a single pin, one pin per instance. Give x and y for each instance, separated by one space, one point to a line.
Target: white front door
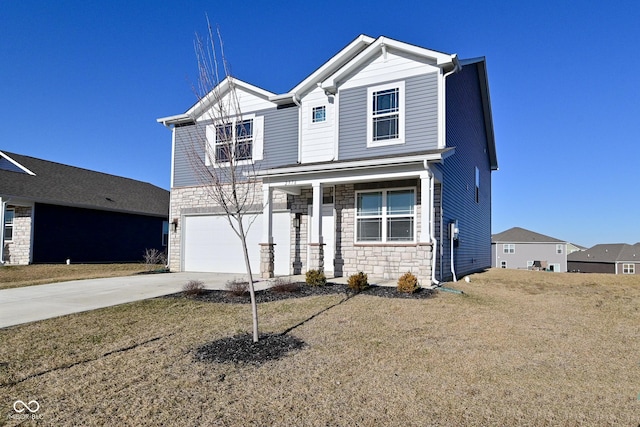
328 235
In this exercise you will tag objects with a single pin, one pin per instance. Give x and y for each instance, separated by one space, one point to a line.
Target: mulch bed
301 290
240 349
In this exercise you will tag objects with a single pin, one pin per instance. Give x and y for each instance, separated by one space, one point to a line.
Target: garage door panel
210 244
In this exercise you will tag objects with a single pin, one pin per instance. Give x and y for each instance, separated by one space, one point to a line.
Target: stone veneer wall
196 200
383 261
379 261
18 250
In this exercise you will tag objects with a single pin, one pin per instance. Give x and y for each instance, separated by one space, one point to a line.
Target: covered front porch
379 216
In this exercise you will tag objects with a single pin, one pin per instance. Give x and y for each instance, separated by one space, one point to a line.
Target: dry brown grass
519 348
27 275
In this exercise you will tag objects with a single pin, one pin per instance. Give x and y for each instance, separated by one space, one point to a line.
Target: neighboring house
53 212
365 165
615 258
519 248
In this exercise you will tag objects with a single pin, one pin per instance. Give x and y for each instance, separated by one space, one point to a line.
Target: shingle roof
521 235
59 184
608 252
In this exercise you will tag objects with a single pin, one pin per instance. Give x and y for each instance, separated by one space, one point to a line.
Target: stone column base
267 255
316 256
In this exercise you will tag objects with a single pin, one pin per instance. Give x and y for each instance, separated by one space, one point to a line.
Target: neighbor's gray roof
608 252
59 184
521 235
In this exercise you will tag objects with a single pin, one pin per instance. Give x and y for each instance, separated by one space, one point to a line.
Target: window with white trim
559 249
9 216
240 140
385 216
385 114
509 248
503 264
628 269
319 114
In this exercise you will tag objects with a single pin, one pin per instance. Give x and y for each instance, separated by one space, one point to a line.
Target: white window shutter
258 137
209 148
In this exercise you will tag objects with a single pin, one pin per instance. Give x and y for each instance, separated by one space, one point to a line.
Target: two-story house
524 249
379 161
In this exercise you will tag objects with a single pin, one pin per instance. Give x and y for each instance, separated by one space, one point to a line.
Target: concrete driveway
31 303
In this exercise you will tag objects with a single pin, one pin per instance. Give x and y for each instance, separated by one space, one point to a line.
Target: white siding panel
246 103
317 143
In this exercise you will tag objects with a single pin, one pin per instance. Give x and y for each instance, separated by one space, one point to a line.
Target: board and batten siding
466 132
421 120
280 144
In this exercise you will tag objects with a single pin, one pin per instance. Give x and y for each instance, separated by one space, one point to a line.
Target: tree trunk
252 293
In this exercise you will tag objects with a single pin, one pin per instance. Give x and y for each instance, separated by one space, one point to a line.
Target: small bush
153 258
193 288
316 278
281 285
358 282
238 287
408 283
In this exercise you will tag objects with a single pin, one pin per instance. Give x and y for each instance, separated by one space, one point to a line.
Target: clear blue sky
83 82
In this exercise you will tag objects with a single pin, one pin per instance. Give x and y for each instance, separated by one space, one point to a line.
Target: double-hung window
9 216
628 269
385 216
385 114
237 140
509 248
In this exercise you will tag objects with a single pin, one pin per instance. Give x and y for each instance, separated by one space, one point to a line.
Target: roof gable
58 184
10 165
522 235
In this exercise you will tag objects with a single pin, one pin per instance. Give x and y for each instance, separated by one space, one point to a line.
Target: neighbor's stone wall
18 250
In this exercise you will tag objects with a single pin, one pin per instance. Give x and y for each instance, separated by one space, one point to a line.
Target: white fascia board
221 90
332 65
441 59
173 120
354 165
16 164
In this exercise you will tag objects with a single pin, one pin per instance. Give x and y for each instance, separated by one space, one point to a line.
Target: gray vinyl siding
280 138
280 144
523 252
466 132
421 120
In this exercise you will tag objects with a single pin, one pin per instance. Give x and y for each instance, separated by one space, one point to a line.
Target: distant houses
523 249
519 248
615 258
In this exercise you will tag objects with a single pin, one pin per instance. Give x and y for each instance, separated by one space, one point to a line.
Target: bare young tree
220 154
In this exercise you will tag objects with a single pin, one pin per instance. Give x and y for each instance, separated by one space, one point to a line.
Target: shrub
153 258
193 288
238 287
316 278
358 282
281 285
408 283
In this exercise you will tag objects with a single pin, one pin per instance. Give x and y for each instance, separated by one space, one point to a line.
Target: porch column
316 249
427 207
267 254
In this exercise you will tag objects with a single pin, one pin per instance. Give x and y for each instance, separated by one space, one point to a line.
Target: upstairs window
238 140
509 248
385 114
559 249
319 114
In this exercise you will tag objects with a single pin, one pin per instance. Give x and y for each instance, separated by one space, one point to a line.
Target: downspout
453 270
297 102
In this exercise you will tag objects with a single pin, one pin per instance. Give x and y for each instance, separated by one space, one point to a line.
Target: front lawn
518 348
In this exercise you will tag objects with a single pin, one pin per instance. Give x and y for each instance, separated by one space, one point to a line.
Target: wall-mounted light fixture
296 221
174 225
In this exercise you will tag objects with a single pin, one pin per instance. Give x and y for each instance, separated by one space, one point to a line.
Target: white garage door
211 245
